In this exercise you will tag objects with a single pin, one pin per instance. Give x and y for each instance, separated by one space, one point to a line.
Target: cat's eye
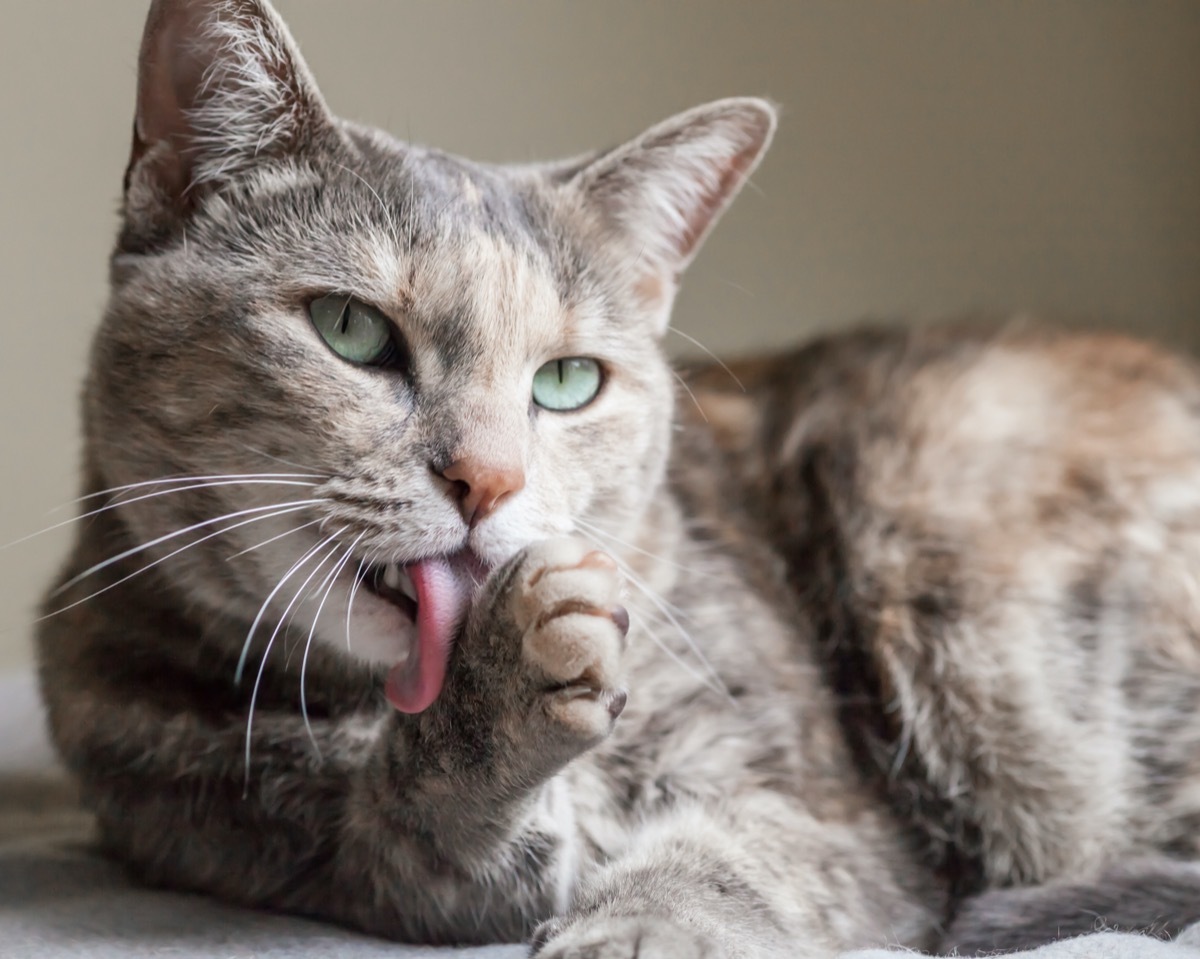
567 384
354 331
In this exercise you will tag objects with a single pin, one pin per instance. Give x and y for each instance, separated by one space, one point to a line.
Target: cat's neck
652 549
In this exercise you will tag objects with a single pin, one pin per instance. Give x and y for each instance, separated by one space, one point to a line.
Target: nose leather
482 486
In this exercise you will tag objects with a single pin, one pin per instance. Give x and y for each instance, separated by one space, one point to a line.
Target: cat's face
211 364
367 335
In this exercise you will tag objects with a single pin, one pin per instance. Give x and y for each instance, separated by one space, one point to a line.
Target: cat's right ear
220 85
660 195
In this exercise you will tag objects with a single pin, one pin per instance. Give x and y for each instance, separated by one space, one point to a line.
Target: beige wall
934 157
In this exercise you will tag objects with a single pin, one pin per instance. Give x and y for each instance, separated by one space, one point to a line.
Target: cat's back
1041 427
1016 390
996 534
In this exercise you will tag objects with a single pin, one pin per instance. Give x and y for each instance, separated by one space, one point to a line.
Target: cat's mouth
393 583
434 594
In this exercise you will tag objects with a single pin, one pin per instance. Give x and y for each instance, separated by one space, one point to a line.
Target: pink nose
481 487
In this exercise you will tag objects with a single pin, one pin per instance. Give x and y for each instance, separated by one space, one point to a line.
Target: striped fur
911 649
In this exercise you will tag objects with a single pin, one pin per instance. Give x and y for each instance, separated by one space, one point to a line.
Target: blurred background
935 157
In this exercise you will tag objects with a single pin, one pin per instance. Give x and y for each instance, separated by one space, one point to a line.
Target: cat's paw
621 937
564 599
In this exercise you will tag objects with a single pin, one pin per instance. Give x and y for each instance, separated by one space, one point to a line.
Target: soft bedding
59 898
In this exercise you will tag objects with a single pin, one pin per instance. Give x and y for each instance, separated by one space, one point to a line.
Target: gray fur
911 618
1156 897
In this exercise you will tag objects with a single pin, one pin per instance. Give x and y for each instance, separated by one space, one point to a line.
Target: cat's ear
660 194
220 83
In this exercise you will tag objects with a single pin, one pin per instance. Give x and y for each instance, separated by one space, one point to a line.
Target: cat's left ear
221 85
660 195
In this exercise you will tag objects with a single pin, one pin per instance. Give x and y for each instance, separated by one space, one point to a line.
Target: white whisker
668 611
683 383
292 508
664 609
267 542
680 661
198 478
383 206
180 532
328 586
262 610
166 480
202 483
358 581
157 493
412 210
720 362
735 286
277 459
262 666
590 527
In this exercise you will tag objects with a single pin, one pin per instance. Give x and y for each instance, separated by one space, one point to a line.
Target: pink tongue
444 589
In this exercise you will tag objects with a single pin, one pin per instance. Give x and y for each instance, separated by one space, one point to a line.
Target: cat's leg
536 681
448 826
1157 897
759 877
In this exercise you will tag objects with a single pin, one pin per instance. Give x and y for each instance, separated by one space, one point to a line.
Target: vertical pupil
561 376
344 318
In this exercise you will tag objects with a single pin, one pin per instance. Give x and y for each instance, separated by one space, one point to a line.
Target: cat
415 594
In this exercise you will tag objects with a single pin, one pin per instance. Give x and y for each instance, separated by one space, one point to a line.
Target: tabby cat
409 598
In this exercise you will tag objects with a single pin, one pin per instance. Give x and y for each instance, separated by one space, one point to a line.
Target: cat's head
448 359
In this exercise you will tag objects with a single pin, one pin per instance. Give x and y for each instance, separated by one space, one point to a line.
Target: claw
620 616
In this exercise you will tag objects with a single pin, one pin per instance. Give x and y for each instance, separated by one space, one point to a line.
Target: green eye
563 385
353 330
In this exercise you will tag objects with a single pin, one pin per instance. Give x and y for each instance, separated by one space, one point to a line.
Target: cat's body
910 618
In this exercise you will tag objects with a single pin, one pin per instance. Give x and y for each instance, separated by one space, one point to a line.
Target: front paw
540 660
635 937
564 601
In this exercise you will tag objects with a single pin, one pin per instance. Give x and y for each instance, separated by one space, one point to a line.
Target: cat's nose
483 486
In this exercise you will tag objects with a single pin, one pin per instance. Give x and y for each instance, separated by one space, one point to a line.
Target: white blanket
59 899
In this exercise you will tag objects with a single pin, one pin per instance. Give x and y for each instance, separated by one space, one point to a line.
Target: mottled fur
911 618
1156 897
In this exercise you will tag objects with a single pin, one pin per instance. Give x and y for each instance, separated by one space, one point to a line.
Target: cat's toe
566 601
635 937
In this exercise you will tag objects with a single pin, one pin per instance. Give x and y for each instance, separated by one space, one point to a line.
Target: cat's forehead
439 195
478 260
443 194
480 301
